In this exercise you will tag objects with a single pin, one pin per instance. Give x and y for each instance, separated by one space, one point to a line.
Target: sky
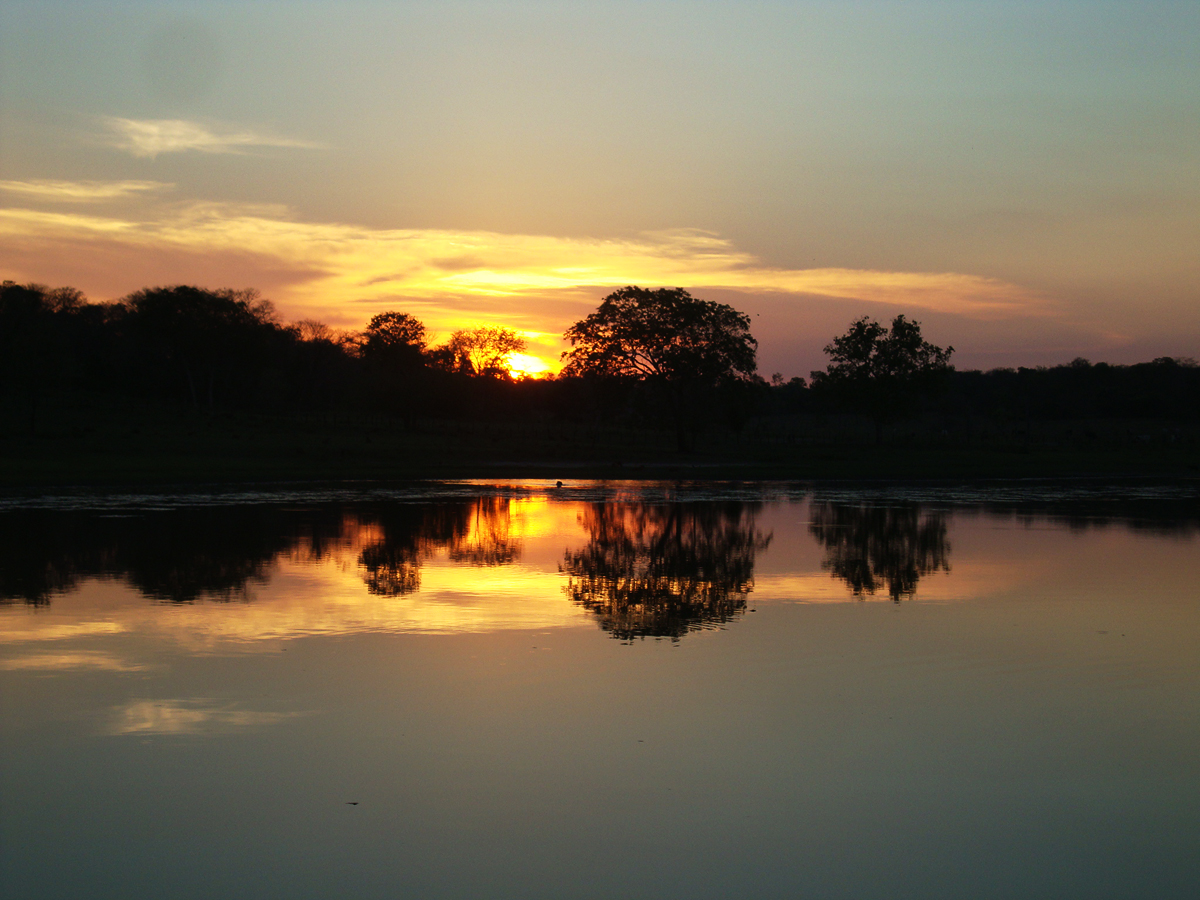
1023 178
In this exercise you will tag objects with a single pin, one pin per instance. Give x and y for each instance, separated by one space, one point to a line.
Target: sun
522 365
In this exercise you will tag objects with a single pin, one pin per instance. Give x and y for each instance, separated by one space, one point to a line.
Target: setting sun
522 365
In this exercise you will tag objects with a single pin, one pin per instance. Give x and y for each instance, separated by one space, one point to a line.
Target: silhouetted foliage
393 352
646 361
662 571
1164 388
40 330
213 342
482 351
395 332
882 371
668 338
874 547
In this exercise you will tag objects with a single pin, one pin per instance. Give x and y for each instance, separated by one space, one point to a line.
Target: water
604 690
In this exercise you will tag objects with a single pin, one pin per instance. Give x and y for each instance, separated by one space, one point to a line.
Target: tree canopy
869 351
480 351
210 337
662 334
880 370
395 330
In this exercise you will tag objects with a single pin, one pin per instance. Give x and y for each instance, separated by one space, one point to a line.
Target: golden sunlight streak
450 279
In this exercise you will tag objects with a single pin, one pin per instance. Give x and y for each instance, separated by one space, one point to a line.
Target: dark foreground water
601 691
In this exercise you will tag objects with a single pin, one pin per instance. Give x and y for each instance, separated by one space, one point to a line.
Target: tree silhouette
210 338
663 571
667 337
875 547
393 348
395 332
36 346
481 351
880 371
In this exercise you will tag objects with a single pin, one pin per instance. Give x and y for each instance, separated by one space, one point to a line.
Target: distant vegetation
645 361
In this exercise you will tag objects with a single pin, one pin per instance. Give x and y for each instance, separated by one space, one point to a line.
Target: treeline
227 350
1165 388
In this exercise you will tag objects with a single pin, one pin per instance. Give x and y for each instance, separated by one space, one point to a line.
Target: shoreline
139 452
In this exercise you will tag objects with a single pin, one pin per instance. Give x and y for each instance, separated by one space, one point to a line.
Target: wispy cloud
48 189
440 262
147 138
456 278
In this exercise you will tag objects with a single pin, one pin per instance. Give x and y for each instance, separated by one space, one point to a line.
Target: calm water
601 691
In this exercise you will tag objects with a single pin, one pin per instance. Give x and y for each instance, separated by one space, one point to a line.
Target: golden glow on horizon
522 365
453 279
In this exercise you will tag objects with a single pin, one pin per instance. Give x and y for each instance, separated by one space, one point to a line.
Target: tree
209 338
482 351
392 331
667 337
393 351
39 340
882 371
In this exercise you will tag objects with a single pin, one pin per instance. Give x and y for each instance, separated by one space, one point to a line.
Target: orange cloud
451 279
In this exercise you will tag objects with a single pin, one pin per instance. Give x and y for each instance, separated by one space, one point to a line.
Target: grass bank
140 446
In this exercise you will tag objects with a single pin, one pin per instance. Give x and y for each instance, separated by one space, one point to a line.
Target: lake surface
602 690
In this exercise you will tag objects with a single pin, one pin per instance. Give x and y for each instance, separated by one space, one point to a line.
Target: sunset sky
1023 178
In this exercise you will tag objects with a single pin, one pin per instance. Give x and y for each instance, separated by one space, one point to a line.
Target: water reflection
662 571
475 533
872 548
640 567
178 555
218 553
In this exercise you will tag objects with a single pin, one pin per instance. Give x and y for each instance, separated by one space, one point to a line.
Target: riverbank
179 448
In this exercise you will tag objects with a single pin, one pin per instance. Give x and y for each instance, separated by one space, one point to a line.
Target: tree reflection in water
664 570
476 533
216 552
872 547
177 556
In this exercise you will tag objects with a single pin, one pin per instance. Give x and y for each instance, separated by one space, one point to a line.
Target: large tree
393 349
482 351
668 337
395 331
881 371
216 341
